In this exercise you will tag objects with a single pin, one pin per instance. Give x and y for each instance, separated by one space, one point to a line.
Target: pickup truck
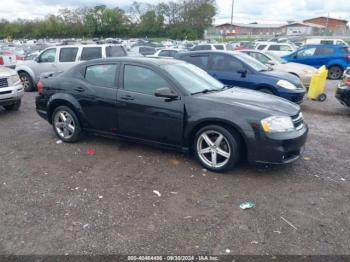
11 89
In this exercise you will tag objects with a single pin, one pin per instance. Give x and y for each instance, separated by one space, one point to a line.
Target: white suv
61 58
202 47
11 89
279 49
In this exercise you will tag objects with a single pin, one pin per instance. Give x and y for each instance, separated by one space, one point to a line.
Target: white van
325 41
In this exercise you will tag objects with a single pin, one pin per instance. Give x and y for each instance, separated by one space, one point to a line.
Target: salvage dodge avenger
174 105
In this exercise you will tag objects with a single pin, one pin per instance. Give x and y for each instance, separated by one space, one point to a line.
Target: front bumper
295 97
11 94
278 148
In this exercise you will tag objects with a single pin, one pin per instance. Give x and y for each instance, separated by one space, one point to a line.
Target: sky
245 11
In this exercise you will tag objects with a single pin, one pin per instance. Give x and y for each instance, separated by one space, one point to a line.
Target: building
301 28
314 26
249 29
336 26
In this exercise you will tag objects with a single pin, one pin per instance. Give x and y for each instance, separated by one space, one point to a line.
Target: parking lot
55 198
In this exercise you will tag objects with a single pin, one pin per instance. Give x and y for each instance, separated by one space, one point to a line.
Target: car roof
212 52
323 45
143 60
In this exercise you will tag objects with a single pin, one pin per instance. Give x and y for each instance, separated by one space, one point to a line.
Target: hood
254 100
280 75
303 68
5 71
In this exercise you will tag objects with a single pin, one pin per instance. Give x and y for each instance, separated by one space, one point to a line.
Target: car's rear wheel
27 81
335 72
14 107
216 148
66 125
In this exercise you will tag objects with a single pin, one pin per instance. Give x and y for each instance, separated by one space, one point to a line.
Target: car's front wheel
66 125
217 148
27 81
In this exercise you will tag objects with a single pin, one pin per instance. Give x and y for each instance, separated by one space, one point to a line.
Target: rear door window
68 54
324 51
102 75
221 62
90 53
115 51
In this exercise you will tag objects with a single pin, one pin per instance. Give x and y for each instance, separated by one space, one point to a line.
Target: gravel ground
57 199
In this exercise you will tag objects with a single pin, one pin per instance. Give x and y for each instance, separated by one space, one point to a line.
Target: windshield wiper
205 91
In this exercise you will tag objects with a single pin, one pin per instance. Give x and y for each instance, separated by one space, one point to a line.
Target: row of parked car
187 104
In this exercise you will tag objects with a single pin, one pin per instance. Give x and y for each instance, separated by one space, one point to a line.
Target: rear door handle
79 89
127 98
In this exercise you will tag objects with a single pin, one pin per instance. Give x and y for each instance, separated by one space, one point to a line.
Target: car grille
3 82
298 121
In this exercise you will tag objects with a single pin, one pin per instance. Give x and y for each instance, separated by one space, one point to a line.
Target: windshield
252 62
276 57
192 78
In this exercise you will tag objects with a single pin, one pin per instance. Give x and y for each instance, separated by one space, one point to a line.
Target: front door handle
127 98
79 89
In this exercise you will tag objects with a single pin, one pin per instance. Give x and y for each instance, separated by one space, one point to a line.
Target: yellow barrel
317 85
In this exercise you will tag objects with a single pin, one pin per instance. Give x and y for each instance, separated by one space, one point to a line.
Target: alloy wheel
335 73
213 149
25 82
64 124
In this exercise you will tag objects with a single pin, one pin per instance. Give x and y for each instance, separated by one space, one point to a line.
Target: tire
27 81
227 152
322 97
14 107
66 125
335 72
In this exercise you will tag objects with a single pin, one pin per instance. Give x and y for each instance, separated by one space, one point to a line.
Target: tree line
182 19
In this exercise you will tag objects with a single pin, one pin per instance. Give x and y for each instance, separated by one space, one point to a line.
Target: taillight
347 81
40 87
347 57
1 60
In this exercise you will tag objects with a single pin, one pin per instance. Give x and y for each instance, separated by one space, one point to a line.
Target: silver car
61 58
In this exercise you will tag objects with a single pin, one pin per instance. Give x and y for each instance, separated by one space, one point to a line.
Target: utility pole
233 3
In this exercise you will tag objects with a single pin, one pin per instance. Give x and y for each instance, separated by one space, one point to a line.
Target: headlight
275 124
14 79
287 85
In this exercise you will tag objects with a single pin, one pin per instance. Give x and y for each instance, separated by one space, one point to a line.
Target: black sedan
343 89
174 105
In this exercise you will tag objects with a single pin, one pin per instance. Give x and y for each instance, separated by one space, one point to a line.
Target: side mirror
243 72
271 63
36 59
165 92
295 56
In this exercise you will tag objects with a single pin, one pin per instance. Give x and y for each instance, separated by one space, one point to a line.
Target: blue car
335 57
238 69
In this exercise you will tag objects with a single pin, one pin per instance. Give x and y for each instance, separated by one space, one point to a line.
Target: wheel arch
220 122
65 100
266 86
27 70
